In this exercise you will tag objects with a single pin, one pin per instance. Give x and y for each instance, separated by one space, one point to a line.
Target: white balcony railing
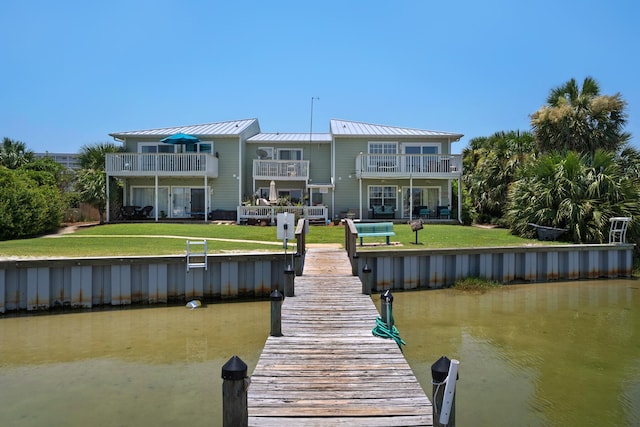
293 170
270 213
405 165
145 164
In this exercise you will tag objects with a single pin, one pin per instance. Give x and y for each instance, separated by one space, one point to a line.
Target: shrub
28 205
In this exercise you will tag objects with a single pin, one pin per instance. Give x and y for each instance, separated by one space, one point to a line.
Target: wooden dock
328 368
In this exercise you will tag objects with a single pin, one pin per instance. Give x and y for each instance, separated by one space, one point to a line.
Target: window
145 196
383 195
383 148
289 153
155 147
293 195
199 147
422 197
383 156
265 153
418 161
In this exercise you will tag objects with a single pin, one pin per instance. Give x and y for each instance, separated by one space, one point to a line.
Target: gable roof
230 128
349 128
290 137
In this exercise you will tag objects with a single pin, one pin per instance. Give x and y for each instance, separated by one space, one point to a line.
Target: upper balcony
161 164
444 166
282 170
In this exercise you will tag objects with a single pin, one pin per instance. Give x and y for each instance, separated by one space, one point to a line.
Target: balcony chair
444 212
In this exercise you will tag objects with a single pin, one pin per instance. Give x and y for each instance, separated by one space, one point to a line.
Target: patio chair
145 212
424 213
128 212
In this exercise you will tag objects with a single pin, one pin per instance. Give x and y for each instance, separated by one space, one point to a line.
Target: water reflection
537 355
155 366
546 354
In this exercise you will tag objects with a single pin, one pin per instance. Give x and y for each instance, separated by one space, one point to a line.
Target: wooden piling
234 393
354 264
276 313
366 279
289 281
439 373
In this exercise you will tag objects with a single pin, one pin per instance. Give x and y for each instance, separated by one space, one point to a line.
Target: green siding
235 170
347 190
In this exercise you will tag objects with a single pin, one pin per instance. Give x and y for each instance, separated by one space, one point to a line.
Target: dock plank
328 368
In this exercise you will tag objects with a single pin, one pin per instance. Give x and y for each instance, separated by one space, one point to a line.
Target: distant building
69 161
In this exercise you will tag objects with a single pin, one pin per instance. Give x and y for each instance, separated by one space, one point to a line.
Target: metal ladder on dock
200 256
618 229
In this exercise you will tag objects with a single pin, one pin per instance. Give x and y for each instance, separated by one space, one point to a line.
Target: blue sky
74 71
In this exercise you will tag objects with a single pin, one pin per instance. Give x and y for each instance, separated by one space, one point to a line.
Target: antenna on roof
311 121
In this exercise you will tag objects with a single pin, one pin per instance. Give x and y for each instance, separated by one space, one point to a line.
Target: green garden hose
381 330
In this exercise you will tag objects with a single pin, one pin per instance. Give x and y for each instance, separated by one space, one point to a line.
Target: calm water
565 354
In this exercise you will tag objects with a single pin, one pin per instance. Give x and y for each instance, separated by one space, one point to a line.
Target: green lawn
168 239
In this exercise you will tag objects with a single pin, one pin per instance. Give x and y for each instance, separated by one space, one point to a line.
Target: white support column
107 196
360 197
410 198
460 200
156 198
206 199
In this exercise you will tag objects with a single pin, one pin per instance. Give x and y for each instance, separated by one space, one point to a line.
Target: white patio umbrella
273 194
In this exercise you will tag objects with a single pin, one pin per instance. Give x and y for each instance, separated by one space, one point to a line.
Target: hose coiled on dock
381 330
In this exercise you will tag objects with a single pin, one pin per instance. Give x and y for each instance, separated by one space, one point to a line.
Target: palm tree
580 119
14 154
491 164
576 192
93 156
91 179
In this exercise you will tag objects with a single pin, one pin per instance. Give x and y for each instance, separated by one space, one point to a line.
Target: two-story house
357 169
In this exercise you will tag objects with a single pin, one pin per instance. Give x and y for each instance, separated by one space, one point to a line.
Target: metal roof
290 137
349 128
234 127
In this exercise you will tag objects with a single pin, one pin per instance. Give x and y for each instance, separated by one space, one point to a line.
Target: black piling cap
440 370
366 268
289 270
386 295
276 296
234 369
355 255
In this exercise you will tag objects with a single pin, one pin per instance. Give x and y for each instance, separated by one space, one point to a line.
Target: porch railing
281 169
270 213
416 165
144 164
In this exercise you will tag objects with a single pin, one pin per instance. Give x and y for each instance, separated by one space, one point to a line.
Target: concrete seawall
43 284
439 268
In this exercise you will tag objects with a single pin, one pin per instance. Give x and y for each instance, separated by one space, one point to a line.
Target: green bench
375 229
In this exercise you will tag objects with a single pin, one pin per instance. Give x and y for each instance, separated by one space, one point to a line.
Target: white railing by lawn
405 165
270 213
164 164
292 170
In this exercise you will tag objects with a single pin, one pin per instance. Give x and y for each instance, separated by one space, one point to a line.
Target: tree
14 154
580 119
491 164
30 203
576 192
91 179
